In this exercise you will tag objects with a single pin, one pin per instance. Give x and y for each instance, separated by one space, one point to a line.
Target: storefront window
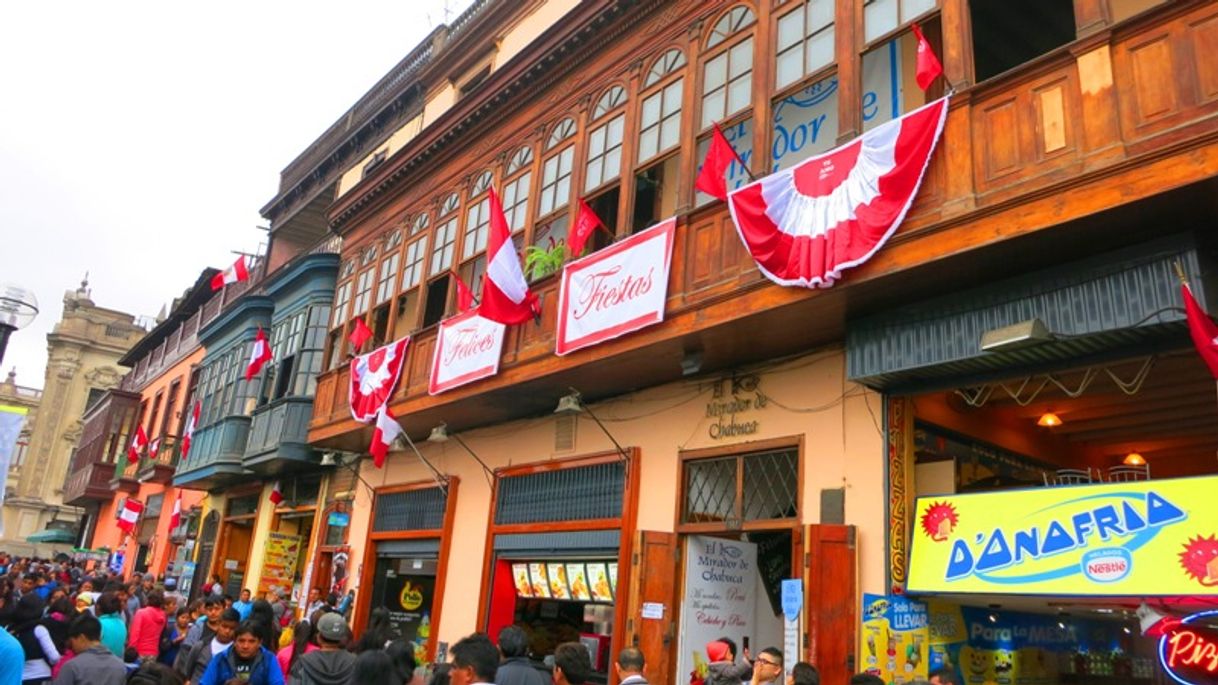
732 490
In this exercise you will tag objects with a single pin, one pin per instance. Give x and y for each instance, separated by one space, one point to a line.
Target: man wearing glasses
767 667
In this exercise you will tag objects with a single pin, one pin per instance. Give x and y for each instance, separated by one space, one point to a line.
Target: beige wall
843 447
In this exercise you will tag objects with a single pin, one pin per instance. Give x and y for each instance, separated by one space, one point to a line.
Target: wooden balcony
160 470
90 483
127 479
1103 143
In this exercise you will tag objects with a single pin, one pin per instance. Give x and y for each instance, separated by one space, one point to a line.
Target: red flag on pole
189 433
175 519
506 297
1202 329
928 67
239 271
387 431
465 296
585 223
359 334
129 515
276 495
712 179
259 355
138 442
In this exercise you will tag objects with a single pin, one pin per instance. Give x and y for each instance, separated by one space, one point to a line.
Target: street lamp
18 307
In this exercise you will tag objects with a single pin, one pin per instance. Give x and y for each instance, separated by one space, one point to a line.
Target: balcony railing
90 483
279 432
160 469
215 454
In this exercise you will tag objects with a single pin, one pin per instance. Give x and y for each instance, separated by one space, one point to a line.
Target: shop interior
1148 417
405 585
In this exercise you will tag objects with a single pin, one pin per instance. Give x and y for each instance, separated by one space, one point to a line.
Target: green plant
540 262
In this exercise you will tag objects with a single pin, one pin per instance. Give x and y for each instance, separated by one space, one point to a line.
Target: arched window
446 236
804 43
555 192
727 78
477 217
518 175
421 222
660 124
563 131
605 138
413 256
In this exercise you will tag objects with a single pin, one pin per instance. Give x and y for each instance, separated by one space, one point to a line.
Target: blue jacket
223 666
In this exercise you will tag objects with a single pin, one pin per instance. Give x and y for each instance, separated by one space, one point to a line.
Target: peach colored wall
843 447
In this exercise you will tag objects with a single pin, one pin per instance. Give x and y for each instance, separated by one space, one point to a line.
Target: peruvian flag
465 296
276 496
129 515
175 519
154 448
928 67
373 377
585 223
1202 329
360 334
387 430
506 297
712 180
191 425
805 225
259 355
138 442
239 271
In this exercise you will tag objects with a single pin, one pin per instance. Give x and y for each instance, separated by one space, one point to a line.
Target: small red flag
360 334
138 442
239 271
465 296
129 515
190 430
259 355
712 180
506 297
585 223
1203 331
929 67
387 431
276 495
175 519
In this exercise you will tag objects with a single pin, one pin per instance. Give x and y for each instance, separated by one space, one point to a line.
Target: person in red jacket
147 625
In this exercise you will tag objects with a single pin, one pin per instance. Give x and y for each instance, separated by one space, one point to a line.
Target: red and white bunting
189 433
239 271
175 519
154 448
260 354
615 291
373 378
805 225
387 431
129 514
468 347
276 495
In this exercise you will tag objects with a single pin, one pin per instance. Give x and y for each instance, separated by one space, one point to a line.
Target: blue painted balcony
215 455
279 437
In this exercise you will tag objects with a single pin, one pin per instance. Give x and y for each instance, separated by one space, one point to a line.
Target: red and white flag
276 496
138 442
189 433
506 297
1202 329
465 296
387 431
804 225
373 378
239 271
928 67
260 354
585 223
360 334
154 448
175 519
129 515
712 179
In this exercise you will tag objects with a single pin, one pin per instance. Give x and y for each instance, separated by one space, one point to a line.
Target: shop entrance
286 555
404 583
233 545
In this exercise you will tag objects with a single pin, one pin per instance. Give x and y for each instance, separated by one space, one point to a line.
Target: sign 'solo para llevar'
1153 537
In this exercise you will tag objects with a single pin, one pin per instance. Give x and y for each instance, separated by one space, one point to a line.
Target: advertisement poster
541 584
598 578
409 599
1145 538
468 348
579 582
720 599
279 563
615 291
558 581
896 638
520 572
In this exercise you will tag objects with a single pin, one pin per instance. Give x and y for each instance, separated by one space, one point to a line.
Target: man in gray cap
330 665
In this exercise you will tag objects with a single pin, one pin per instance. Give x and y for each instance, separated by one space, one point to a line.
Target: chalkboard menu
774 563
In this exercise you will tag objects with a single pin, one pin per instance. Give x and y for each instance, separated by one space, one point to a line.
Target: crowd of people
63 625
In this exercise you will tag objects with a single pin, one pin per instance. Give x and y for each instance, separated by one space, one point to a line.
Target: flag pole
1180 273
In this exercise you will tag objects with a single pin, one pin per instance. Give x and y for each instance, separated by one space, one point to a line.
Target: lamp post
18 307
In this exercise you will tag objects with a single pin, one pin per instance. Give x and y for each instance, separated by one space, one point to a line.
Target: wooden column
848 32
957 43
900 489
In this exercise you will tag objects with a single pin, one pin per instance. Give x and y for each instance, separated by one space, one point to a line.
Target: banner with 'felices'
468 348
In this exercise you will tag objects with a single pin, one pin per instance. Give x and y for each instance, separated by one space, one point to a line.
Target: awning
54 535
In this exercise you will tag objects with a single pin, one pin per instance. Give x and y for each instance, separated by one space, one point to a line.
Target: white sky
138 139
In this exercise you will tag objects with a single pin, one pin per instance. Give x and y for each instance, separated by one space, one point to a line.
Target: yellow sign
1155 537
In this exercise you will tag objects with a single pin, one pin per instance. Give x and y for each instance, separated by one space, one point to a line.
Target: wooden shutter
653 575
832 600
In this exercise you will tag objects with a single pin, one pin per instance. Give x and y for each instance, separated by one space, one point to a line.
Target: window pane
740 59
716 73
790 28
670 131
651 110
884 94
565 161
739 94
820 14
879 17
649 143
595 171
672 96
804 123
596 142
613 163
712 107
912 8
820 50
616 127
790 68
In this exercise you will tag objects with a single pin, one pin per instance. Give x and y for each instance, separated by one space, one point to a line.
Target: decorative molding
900 489
103 377
72 432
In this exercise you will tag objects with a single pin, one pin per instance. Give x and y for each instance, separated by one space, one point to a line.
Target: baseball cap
332 627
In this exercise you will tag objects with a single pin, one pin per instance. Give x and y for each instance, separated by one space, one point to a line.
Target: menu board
579 582
558 581
524 587
541 584
279 563
598 582
613 578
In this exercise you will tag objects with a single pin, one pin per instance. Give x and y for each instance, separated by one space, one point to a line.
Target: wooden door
653 571
831 600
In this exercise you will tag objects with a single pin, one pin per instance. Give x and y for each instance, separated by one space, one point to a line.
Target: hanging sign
720 599
468 348
1144 538
1189 650
615 291
373 378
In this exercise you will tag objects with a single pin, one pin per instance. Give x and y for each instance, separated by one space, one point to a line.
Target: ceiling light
1016 336
1134 459
439 433
1049 420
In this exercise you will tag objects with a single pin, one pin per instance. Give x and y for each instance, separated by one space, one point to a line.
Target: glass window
886 93
449 205
727 83
477 227
605 152
740 135
668 63
804 123
482 183
737 19
564 130
341 298
520 160
805 41
660 128
412 271
516 201
393 240
309 356
556 182
612 99
421 222
884 16
363 291
389 269
442 251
